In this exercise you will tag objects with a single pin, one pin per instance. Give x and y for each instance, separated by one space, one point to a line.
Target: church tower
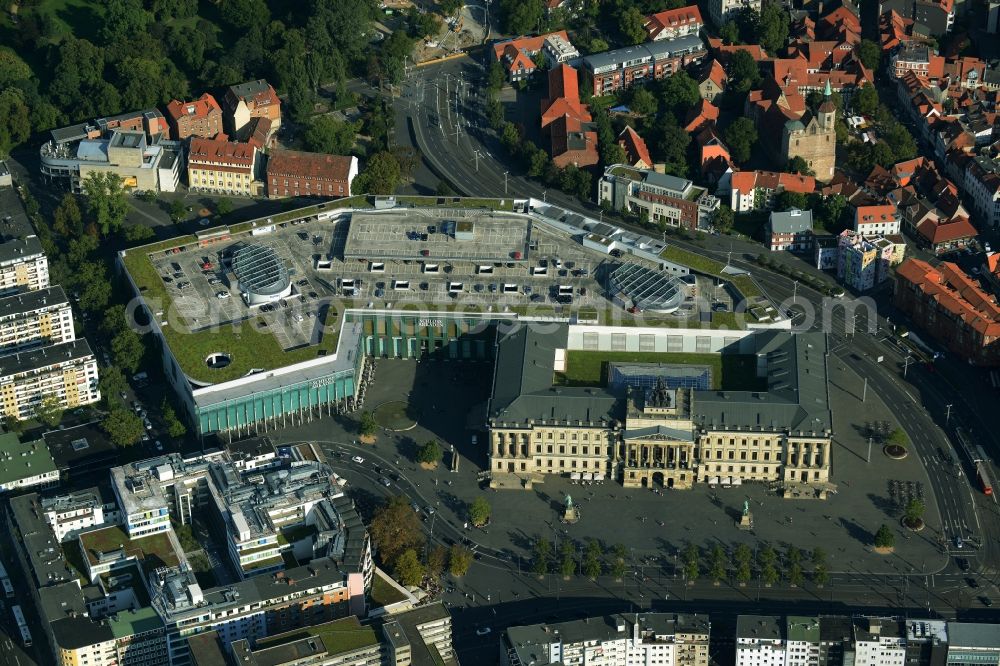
827 113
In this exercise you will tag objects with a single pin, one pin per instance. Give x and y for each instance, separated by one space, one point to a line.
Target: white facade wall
760 652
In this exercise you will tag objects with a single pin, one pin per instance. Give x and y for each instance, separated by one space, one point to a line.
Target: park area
735 372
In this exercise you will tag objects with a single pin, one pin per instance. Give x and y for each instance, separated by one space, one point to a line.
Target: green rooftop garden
154 550
339 636
707 266
734 372
262 564
295 533
383 593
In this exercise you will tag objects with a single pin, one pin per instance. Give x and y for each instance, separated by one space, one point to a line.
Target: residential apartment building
23 266
982 185
25 464
661 198
74 512
665 639
201 117
722 11
567 121
863 263
674 23
760 641
129 638
224 167
246 101
880 220
419 637
879 641
134 146
952 307
790 230
35 318
802 640
67 371
517 56
293 173
616 70
755 190
658 436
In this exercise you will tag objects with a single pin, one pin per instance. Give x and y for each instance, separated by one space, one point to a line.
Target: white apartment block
69 514
35 318
23 266
880 220
663 639
802 640
67 371
760 641
981 182
879 642
722 11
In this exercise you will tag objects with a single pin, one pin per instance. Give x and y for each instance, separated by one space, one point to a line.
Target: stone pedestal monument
746 519
570 512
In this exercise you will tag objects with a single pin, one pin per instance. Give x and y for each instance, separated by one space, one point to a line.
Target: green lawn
154 550
736 372
338 636
383 593
293 534
708 266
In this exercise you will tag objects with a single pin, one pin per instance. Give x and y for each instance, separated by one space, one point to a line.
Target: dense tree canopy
519 17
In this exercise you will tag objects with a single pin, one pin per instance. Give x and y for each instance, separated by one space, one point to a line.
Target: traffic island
914 526
884 550
895 451
397 416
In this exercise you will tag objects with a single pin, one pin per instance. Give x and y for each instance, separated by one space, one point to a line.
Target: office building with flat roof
25 464
973 644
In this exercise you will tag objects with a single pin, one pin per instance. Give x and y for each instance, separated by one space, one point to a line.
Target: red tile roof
212 151
747 181
944 231
873 214
701 114
300 164
635 148
955 292
672 19
529 44
714 72
199 108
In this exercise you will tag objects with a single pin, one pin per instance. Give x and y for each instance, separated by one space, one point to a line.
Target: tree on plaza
459 560
568 554
67 220
618 554
177 211
592 559
437 559
408 568
541 557
368 425
224 206
743 557
123 426
884 538
913 513
380 176
49 411
430 453
479 511
898 438
799 166
692 557
395 527
793 561
717 569
865 101
869 53
740 137
766 560
106 202
820 574
630 24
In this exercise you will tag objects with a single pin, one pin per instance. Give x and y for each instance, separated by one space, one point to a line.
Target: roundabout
397 416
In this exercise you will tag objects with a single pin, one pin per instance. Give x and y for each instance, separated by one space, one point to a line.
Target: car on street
158 445
430 511
222 295
385 482
958 542
416 507
358 459
986 601
972 582
483 631
962 563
